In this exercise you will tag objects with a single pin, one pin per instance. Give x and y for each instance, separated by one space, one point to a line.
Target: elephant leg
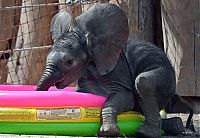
115 104
145 87
154 89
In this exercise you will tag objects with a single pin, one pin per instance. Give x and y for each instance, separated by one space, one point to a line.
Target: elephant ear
60 23
106 28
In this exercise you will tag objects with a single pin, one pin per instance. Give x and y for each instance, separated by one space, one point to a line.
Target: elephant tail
188 106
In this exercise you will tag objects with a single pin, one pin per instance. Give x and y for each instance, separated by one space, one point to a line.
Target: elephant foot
109 129
109 125
148 131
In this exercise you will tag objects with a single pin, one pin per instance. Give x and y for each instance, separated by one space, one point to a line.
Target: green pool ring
127 127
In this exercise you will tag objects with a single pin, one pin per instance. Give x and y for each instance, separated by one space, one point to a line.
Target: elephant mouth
62 83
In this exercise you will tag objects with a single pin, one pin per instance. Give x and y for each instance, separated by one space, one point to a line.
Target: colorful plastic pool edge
128 128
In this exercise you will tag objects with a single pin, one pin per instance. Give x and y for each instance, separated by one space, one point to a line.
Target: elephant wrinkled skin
132 74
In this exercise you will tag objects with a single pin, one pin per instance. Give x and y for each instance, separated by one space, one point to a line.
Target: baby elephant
132 74
142 80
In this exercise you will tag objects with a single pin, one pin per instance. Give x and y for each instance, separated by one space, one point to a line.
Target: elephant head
97 35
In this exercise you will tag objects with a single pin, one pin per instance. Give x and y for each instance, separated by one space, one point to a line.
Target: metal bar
22 49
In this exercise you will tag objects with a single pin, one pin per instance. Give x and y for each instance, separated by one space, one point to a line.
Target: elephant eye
69 62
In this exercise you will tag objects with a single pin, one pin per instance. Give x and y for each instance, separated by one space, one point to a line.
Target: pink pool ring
31 88
25 97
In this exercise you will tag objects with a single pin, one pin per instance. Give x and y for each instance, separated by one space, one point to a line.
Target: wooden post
9 20
141 18
181 31
144 17
25 67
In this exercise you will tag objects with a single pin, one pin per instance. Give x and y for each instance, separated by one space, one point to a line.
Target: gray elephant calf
133 75
143 80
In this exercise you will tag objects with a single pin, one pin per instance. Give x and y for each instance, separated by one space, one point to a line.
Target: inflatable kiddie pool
56 112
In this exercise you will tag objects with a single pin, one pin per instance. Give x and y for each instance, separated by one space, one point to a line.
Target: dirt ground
196 122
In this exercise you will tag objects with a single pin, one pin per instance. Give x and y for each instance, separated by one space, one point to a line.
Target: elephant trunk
50 76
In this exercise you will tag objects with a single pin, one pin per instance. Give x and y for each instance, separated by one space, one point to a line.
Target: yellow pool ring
68 114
